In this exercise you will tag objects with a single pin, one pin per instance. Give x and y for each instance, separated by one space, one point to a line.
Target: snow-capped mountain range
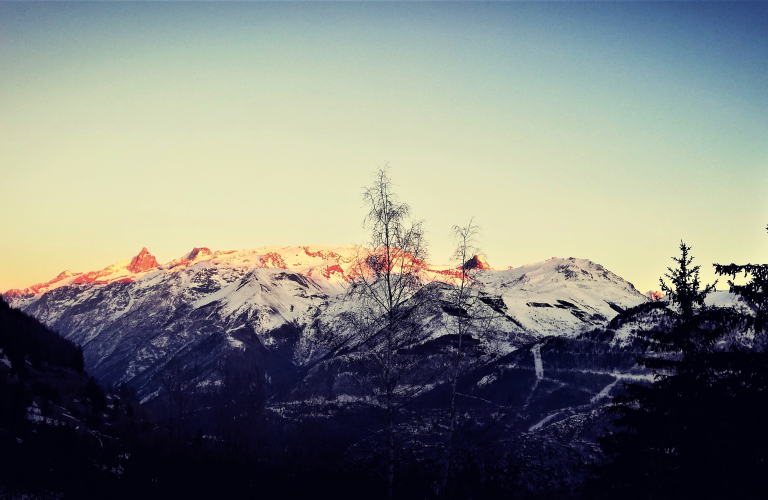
133 316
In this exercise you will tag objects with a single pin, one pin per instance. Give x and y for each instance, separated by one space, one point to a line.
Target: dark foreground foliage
699 430
62 435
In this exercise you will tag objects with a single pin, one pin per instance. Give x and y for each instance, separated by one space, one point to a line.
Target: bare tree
469 321
390 294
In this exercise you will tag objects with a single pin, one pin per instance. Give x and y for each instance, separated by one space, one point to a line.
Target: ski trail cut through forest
604 393
600 395
537 362
539 366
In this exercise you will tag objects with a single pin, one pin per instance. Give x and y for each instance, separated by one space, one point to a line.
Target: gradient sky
607 131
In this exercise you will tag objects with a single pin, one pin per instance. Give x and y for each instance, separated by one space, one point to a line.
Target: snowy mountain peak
654 295
198 253
64 274
144 261
477 262
124 271
559 273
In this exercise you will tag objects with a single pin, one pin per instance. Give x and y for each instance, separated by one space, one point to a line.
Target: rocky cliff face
143 262
477 262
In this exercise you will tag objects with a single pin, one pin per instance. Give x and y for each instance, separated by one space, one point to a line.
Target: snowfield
279 302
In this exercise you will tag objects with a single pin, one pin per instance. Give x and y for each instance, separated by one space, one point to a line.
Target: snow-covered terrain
561 296
133 316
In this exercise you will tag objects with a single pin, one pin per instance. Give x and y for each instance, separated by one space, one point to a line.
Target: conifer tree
692 327
754 293
697 431
647 451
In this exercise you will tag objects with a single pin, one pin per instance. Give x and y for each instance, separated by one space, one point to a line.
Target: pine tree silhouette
697 431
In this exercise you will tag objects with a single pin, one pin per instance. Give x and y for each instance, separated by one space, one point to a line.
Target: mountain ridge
278 302
144 261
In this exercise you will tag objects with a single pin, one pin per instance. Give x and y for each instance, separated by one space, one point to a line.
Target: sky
607 131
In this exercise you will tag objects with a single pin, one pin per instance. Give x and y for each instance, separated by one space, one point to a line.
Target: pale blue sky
595 130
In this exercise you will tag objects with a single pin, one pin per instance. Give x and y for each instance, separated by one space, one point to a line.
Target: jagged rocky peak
143 262
198 252
654 295
477 262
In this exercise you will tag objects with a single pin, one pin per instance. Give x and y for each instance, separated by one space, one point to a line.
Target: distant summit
199 252
654 296
477 262
122 271
143 262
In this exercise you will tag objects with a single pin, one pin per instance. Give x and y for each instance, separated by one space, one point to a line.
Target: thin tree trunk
449 442
452 421
391 444
462 328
